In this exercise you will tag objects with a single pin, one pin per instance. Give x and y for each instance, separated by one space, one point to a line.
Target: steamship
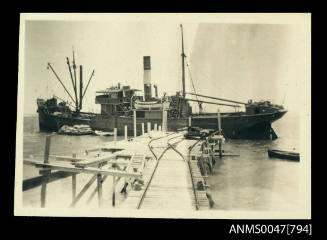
118 104
53 114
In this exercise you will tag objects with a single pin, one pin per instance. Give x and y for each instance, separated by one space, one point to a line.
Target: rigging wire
287 87
189 71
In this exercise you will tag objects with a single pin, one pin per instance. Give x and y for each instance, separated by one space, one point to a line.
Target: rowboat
154 105
273 153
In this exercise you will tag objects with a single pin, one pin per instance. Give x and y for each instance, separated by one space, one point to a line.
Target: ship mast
78 102
75 86
183 64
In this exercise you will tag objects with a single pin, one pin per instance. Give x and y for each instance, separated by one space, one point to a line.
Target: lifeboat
273 153
151 105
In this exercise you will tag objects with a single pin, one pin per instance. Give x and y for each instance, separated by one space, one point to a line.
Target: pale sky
236 61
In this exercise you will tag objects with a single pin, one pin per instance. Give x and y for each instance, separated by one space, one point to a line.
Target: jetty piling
45 171
164 121
99 181
115 135
74 182
173 173
113 191
220 133
142 128
125 131
134 123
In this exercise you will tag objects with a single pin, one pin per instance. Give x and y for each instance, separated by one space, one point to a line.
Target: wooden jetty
156 170
168 184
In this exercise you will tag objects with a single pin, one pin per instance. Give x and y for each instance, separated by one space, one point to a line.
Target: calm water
249 182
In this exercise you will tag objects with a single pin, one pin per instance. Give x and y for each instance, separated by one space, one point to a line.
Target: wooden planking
170 188
88 170
69 158
94 161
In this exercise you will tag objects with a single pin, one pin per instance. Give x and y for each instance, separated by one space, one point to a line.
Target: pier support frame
134 121
45 171
99 178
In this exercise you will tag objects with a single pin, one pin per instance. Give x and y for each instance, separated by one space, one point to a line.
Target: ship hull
51 123
257 126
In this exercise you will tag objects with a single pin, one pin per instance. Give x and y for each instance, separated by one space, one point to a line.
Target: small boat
273 153
102 133
151 105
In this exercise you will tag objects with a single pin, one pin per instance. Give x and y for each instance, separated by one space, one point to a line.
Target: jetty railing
66 166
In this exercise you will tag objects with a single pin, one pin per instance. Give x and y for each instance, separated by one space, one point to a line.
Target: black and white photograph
164 115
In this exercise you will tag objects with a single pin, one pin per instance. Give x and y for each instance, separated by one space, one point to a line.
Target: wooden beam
113 190
95 190
93 161
223 104
37 181
99 178
85 188
222 99
74 186
88 170
69 159
45 173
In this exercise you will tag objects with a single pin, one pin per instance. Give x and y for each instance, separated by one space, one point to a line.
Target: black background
114 228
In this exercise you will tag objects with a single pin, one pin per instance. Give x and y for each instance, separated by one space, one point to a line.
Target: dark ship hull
52 116
234 126
52 123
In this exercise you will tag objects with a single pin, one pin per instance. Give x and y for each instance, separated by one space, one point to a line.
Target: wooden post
74 182
45 172
149 127
210 158
99 189
84 189
164 121
73 186
155 127
115 135
189 121
159 128
219 121
125 132
219 129
113 190
220 150
134 120
142 128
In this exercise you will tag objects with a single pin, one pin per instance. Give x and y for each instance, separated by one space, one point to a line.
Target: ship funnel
155 90
147 78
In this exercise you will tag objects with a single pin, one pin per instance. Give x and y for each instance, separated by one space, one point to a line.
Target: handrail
189 167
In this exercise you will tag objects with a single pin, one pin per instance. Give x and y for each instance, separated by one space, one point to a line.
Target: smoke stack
156 90
147 78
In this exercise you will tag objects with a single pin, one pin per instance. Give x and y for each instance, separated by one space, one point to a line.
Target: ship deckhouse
116 100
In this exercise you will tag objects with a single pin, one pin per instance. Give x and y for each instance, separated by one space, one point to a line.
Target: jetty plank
88 170
94 161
